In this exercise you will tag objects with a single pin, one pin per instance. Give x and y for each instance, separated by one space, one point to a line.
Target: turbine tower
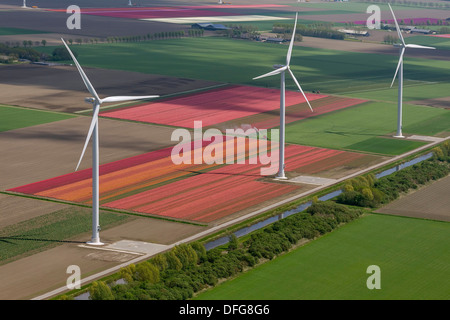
281 69
93 131
402 46
24 4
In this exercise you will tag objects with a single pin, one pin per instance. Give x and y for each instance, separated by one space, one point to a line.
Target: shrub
100 291
146 271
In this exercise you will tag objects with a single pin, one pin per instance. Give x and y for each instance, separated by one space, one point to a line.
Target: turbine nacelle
278 66
89 100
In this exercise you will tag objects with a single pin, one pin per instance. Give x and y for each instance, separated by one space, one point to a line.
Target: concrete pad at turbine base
312 180
425 138
138 247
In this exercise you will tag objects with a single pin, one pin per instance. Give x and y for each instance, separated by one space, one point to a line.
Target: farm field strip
217 18
368 128
131 174
16 117
151 183
221 192
301 111
211 107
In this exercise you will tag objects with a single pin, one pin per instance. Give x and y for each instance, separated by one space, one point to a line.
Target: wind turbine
24 4
402 46
93 131
281 69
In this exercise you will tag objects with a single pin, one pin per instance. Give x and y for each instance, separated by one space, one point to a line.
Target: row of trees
309 31
370 192
11 54
189 268
156 36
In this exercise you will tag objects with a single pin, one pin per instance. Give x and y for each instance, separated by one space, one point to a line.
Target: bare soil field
370 47
91 26
16 209
429 202
49 150
45 271
436 102
60 88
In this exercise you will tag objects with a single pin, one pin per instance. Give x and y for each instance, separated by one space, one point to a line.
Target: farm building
354 32
423 31
209 26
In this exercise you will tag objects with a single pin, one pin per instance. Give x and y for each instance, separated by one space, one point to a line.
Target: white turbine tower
281 69
24 4
402 47
93 131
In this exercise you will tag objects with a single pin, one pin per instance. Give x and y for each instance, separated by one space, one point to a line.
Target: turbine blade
288 58
126 98
272 73
400 61
91 129
416 46
396 26
86 81
298 85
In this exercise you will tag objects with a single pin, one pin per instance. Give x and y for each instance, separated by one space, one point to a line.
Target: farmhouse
422 31
355 32
209 26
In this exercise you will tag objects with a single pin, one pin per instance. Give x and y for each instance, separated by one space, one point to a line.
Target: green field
437 42
48 230
218 59
15 118
362 128
412 255
411 92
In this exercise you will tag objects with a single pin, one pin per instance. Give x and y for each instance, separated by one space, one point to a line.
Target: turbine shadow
7 240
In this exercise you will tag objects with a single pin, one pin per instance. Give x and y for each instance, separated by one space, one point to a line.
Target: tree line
367 191
319 31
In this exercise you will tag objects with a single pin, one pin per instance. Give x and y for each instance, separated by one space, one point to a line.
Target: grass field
437 42
49 230
217 59
411 92
361 128
15 118
412 255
